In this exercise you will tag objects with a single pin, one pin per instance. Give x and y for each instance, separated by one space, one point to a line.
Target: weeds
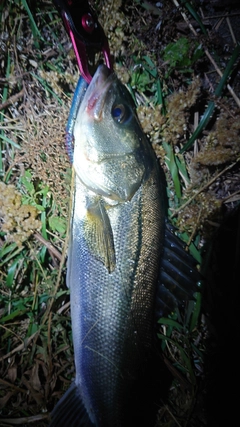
181 55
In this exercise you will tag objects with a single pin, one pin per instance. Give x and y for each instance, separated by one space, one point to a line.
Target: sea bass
117 251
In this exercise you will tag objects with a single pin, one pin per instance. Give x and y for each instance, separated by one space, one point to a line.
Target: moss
113 21
223 144
18 221
205 208
178 108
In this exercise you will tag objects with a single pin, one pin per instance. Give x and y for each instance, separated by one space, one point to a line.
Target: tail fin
179 277
70 410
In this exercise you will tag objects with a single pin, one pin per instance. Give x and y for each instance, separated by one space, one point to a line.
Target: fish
126 267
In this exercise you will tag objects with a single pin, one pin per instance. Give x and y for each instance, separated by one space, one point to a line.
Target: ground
183 72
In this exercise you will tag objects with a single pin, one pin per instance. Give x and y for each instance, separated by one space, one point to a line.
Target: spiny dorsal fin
179 278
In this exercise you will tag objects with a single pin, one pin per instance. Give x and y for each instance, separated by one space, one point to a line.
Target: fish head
111 153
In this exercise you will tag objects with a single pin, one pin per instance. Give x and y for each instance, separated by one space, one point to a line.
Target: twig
48 245
226 199
221 16
219 23
13 79
12 386
173 417
25 420
203 188
9 330
231 30
63 308
11 100
21 347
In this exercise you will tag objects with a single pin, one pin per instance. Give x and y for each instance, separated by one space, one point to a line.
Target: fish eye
120 113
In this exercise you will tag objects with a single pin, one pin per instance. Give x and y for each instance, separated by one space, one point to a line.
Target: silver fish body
113 267
117 234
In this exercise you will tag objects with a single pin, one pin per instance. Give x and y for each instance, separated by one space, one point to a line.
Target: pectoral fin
98 234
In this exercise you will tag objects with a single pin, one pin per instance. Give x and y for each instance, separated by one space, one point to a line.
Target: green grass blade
192 247
170 322
9 141
13 315
180 161
228 70
194 14
171 164
47 88
160 97
151 68
6 249
35 31
211 106
11 272
184 357
12 255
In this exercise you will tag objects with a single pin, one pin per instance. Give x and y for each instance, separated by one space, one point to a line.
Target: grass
30 255
36 347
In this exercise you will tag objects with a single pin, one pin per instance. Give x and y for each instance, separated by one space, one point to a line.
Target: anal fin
70 410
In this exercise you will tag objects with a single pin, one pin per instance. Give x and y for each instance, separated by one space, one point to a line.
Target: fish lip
98 89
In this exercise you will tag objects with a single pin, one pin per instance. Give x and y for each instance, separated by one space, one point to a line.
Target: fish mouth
97 91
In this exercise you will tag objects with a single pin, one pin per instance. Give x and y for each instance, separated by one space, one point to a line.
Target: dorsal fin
179 278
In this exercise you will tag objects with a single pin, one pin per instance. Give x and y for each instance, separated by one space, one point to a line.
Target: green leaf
57 224
13 315
12 254
175 53
11 273
180 55
26 181
170 322
6 249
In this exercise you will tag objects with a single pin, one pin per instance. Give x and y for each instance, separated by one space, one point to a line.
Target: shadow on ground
222 296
